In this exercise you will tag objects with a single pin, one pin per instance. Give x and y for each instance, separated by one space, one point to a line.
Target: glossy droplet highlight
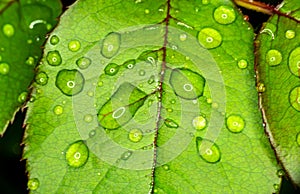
235 123
33 184
58 110
129 64
242 64
208 150
135 135
290 34
205 2
126 155
224 15
295 98
182 37
4 68
54 40
83 62
77 154
298 139
273 57
88 118
280 173
41 78
294 62
142 73
69 82
111 69
171 123
209 38
199 123
22 97
30 61
111 44
53 58
8 30
74 45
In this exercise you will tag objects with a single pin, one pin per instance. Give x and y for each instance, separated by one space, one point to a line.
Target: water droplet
199 122
142 72
151 79
58 110
171 123
147 11
29 41
182 37
8 30
92 133
4 68
242 64
273 57
165 167
77 154
22 97
41 78
135 135
111 44
74 45
276 187
111 69
173 101
280 173
205 2
88 118
208 150
126 155
209 38
294 62
235 123
33 184
149 56
224 15
54 40
83 62
261 87
30 61
298 139
69 82
295 98
129 64
54 58
170 109
290 34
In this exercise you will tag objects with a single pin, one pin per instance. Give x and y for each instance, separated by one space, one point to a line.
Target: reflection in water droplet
294 62
208 150
22 97
111 44
41 78
54 40
88 118
126 155
235 123
74 45
77 154
135 135
35 22
54 58
224 15
209 38
58 110
69 82
295 98
83 62
33 184
8 30
111 69
30 61
199 122
273 57
242 64
171 123
4 68
290 34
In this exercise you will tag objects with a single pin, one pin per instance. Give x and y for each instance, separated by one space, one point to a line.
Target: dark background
13 177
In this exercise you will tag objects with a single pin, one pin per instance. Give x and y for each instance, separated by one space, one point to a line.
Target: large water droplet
54 58
187 84
4 68
74 45
111 69
54 40
126 155
135 135
295 98
170 123
208 150
242 64
235 123
129 64
294 62
30 61
111 44
290 34
224 14
41 78
83 62
58 110
273 57
199 122
33 184
209 38
77 154
8 30
22 97
69 82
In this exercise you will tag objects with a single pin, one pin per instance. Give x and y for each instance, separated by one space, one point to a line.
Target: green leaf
278 68
157 96
22 35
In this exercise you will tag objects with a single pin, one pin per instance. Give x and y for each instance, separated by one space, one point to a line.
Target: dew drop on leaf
92 133
88 118
290 34
182 37
273 57
22 97
33 184
111 44
151 79
4 68
224 15
74 45
165 167
209 38
54 40
126 155
170 123
77 154
129 64
54 58
208 150
280 173
294 62
205 2
142 72
30 61
8 30
58 110
295 98
83 62
235 123
69 82
135 135
111 69
242 64
199 122
41 78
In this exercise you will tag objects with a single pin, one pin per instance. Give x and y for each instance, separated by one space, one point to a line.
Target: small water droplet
4 68
54 40
41 78
295 98
294 62
129 64
209 38
58 110
8 30
273 57
22 97
147 11
235 123
182 37
88 118
83 62
69 82
276 187
77 154
280 173
242 64
208 150
92 133
165 167
171 123
135 135
142 72
126 155
149 56
111 69
298 139
224 14
205 2
29 41
290 34
199 122
173 101
261 87
33 184
30 61
74 45
170 109
111 44
54 58
151 79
